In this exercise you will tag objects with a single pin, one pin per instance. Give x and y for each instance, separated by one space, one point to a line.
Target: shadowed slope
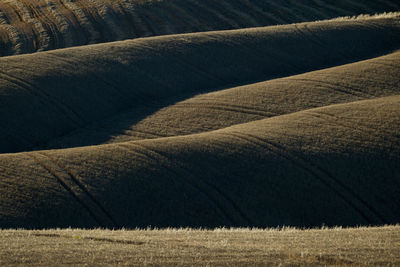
205 112
57 92
35 25
336 165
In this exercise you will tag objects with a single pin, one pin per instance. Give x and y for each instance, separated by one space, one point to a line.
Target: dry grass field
212 121
220 247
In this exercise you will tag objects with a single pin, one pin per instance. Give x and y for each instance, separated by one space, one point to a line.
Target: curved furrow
163 24
41 38
301 165
211 111
81 22
183 175
227 207
227 13
153 28
241 110
68 188
208 12
185 16
17 28
127 25
139 27
90 33
123 76
355 124
80 34
84 193
286 170
253 110
148 135
5 41
171 21
338 87
22 204
262 14
285 13
113 19
55 36
326 178
111 83
94 19
150 29
242 15
61 23
45 98
269 98
203 73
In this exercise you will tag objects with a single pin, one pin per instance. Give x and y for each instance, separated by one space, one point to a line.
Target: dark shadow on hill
334 165
68 90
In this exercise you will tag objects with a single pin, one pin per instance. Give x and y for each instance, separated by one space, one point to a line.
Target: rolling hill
55 93
28 26
281 125
335 165
367 79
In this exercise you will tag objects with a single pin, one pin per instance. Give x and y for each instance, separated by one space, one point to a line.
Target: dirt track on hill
282 125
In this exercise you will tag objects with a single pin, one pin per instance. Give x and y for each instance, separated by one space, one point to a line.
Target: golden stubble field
220 247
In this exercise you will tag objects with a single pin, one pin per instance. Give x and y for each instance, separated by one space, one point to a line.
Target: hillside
336 173
58 92
366 79
28 26
259 127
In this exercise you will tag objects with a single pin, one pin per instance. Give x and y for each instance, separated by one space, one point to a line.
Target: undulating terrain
281 125
36 25
205 114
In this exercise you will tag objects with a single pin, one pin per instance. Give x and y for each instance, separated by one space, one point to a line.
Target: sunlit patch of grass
219 246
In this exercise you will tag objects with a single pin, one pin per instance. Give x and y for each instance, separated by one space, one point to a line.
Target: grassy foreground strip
287 246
